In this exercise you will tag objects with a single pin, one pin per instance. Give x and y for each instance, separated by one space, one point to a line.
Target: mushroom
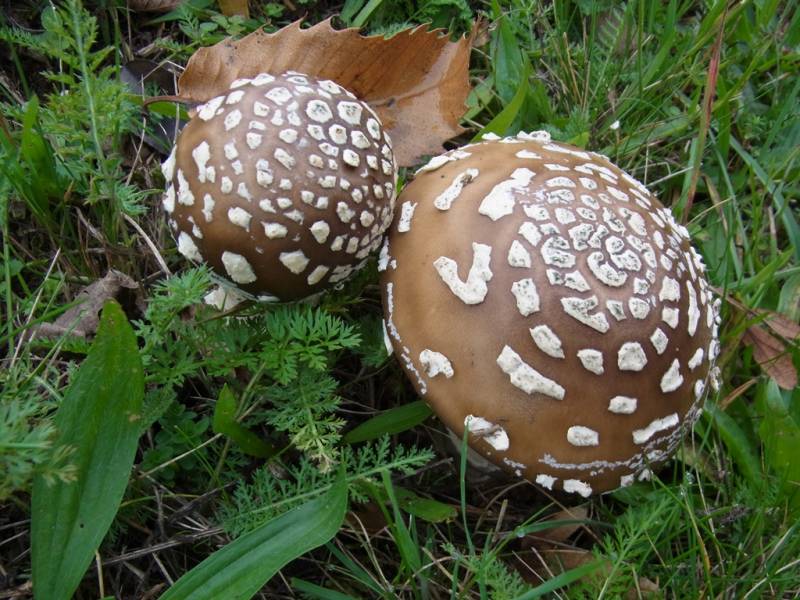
542 298
283 185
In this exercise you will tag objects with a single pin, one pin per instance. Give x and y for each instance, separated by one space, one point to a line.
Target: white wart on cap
541 297
283 185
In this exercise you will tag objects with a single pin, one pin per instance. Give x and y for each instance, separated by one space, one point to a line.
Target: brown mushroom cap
283 185
540 296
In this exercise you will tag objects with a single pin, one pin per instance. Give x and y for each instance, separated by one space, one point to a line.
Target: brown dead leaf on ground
417 81
772 355
82 319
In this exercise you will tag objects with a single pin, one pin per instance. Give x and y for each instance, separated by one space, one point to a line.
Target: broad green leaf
737 443
98 419
390 421
780 432
225 422
503 121
240 569
508 61
426 509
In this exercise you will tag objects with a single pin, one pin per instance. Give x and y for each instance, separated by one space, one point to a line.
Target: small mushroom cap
283 185
540 296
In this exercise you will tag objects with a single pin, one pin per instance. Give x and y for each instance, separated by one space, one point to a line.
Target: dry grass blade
417 81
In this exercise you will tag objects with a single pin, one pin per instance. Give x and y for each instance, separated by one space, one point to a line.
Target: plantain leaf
99 420
240 569
225 422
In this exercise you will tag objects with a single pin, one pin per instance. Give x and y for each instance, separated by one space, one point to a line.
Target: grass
245 420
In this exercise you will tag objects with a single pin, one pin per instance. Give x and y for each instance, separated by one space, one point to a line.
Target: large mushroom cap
540 296
283 185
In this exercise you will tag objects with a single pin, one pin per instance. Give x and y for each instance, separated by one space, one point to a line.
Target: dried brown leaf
772 355
780 324
417 81
82 319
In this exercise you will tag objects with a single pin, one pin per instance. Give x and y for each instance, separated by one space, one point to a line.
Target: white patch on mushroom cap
592 360
641 436
576 486
525 377
696 359
185 195
237 267
692 311
296 261
528 154
240 217
283 157
639 308
320 230
274 231
530 232
344 212
435 363
622 405
168 200
201 155
317 274
518 256
387 342
209 109
474 289
500 200
445 199
319 111
526 295
578 435
351 158
406 214
492 434
578 309
188 248
547 341
659 340
232 119
670 316
631 357
672 379
545 480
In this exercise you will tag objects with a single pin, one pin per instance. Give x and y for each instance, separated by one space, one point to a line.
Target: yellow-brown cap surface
542 297
283 185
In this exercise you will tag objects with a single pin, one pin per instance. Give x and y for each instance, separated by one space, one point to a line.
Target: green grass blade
390 421
311 590
409 551
560 581
240 569
99 419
